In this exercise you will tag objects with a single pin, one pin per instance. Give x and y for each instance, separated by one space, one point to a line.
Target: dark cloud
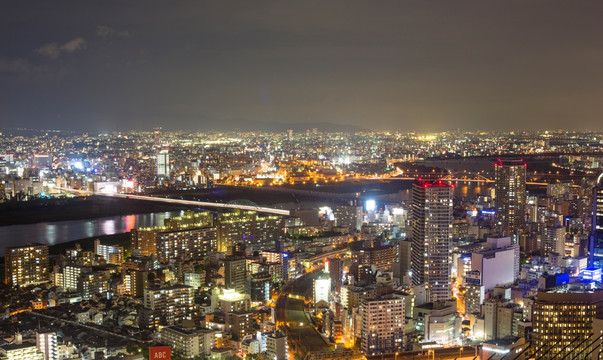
383 65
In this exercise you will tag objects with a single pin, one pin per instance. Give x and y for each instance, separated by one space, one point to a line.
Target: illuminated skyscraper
163 163
596 239
432 237
510 185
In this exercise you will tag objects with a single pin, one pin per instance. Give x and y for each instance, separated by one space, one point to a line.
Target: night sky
399 65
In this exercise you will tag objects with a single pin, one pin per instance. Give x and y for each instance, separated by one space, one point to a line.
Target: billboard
160 353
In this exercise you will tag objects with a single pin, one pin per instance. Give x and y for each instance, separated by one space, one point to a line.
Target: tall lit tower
510 185
163 163
596 236
431 248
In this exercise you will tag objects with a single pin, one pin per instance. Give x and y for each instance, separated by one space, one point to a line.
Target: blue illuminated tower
596 237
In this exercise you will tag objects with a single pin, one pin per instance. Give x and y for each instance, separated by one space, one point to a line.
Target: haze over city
442 65
334 180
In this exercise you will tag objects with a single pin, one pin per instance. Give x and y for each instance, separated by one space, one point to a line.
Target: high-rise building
382 329
235 273
145 239
510 200
186 244
335 272
260 232
163 163
553 240
349 217
322 289
596 238
432 237
27 265
563 320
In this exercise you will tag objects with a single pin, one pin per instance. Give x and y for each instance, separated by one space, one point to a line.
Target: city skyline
268 180
396 66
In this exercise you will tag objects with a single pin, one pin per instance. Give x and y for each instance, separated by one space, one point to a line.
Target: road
301 334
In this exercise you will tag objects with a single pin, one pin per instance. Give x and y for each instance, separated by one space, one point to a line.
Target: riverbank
77 208
87 244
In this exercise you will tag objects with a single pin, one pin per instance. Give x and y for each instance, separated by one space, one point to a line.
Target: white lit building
322 288
47 344
163 163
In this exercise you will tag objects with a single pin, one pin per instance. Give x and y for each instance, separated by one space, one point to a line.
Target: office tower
432 237
382 329
163 163
276 346
47 344
553 240
235 273
563 320
27 265
349 217
596 237
167 305
510 201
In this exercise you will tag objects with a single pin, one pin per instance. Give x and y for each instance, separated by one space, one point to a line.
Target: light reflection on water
63 231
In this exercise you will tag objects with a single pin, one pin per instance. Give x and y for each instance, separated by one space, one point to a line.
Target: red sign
160 353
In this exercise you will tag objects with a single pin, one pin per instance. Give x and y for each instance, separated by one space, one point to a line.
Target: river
52 233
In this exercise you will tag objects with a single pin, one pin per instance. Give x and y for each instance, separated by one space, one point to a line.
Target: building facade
27 265
382 329
510 200
432 237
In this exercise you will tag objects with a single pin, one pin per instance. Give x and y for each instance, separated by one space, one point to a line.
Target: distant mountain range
251 125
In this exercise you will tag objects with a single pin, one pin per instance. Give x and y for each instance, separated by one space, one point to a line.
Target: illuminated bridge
178 201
